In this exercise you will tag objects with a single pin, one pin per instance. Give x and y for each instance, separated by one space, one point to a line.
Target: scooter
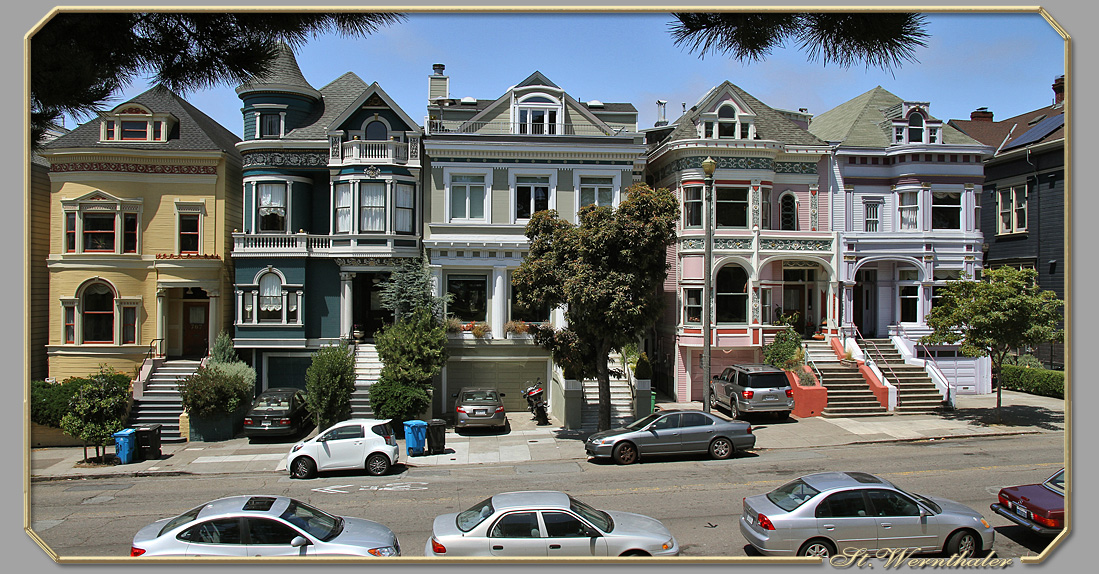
535 404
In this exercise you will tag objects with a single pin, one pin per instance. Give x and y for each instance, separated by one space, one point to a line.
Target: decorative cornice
739 163
740 243
133 168
371 261
796 244
186 256
285 159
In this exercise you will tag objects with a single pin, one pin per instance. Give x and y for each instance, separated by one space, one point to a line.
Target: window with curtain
272 207
342 193
909 209
404 206
270 298
371 207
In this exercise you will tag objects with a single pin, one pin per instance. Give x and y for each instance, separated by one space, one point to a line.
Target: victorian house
904 196
493 163
773 248
1024 189
331 205
142 201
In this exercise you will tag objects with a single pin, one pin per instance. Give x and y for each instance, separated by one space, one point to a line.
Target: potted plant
517 328
480 330
358 334
216 398
453 325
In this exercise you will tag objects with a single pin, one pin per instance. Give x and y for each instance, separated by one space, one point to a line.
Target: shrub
784 351
98 409
517 327
217 390
223 351
392 399
329 382
50 401
1024 360
1034 381
413 351
806 378
644 369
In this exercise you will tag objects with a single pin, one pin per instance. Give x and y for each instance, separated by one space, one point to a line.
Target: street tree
606 272
98 409
329 382
1003 312
80 59
879 39
413 351
410 287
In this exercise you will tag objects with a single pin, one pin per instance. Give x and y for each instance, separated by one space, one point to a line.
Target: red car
1039 507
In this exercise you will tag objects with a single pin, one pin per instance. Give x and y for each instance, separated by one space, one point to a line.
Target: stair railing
880 360
812 365
950 392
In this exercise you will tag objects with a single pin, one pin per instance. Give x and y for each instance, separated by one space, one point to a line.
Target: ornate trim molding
371 261
286 159
739 243
796 244
133 168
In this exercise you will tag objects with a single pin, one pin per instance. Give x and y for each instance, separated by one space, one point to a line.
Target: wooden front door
196 330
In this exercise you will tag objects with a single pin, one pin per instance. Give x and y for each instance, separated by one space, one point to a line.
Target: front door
793 301
366 309
196 331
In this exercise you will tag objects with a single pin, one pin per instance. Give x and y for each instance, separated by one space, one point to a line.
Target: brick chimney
1059 90
981 115
438 84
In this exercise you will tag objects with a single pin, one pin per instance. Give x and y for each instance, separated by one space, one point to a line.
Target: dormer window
537 114
915 128
135 124
728 122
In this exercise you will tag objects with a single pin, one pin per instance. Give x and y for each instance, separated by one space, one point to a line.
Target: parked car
672 432
358 443
1039 507
752 388
825 513
481 407
263 526
546 523
277 412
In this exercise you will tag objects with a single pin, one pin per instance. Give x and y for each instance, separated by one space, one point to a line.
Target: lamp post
708 167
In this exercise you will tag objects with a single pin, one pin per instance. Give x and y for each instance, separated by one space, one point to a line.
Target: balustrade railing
302 243
514 128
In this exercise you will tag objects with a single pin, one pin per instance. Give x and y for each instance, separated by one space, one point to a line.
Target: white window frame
448 178
902 207
248 300
700 204
922 127
470 273
360 208
513 184
153 121
348 209
1012 209
961 203
709 125
260 110
701 304
118 207
747 206
523 103
397 208
289 182
190 208
616 185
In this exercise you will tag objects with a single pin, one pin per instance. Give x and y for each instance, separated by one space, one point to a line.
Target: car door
697 431
567 535
900 524
517 534
269 537
721 386
844 517
342 447
662 436
218 537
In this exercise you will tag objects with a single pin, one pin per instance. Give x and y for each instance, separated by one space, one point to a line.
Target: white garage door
508 377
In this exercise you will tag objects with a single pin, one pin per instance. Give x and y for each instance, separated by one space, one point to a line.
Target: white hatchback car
357 443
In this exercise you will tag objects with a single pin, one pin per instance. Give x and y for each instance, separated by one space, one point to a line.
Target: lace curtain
270 293
372 202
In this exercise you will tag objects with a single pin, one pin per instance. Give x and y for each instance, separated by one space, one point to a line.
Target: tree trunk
604 379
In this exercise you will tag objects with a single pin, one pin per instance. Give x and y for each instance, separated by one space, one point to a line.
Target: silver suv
752 388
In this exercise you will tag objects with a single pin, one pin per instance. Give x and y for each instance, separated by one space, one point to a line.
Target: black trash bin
436 436
148 442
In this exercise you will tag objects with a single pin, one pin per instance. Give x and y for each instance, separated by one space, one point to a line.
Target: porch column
160 320
345 304
213 321
499 301
847 306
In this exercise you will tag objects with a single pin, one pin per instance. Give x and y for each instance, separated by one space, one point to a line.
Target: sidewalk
974 416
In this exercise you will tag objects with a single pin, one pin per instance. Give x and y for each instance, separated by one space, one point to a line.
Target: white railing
374 151
304 243
513 128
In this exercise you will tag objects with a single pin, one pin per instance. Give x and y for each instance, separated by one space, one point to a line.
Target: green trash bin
124 445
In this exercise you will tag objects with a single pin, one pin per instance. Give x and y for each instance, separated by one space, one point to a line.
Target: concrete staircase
621 400
160 403
368 368
916 392
848 393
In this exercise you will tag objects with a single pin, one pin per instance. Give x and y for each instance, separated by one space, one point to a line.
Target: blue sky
1003 61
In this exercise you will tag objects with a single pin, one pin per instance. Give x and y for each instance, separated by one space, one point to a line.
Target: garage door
508 377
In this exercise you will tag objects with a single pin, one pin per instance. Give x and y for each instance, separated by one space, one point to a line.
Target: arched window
270 298
537 114
731 295
726 122
97 312
377 131
915 128
789 209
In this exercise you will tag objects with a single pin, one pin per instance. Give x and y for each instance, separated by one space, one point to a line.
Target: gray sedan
241 526
546 523
480 407
672 432
825 513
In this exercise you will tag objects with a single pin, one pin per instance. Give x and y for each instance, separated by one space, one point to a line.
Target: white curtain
372 202
272 195
402 217
343 208
270 293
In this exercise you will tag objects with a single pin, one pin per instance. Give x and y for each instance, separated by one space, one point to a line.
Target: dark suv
752 388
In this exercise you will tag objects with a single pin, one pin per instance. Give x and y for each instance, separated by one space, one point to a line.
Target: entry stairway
916 392
160 403
621 400
849 394
368 367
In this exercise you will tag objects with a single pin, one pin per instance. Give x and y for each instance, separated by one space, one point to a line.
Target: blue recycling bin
415 436
124 445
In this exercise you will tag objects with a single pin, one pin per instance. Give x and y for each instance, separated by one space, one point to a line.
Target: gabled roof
363 97
336 97
283 75
195 131
537 79
1012 129
770 124
866 121
533 80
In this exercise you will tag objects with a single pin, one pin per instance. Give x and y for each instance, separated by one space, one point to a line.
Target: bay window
692 206
731 207
99 232
692 306
946 210
100 223
909 210
342 201
271 300
371 207
404 206
731 295
272 208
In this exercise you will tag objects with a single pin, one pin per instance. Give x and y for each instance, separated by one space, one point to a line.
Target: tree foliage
784 350
79 59
217 389
993 317
411 287
882 40
607 271
98 409
223 351
329 382
412 351
50 401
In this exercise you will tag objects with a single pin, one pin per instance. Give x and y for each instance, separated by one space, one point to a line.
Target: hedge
50 401
1034 381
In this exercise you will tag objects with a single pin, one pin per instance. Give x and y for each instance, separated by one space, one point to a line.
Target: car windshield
479 396
643 422
273 401
923 500
792 495
468 519
767 381
316 522
600 519
181 520
1056 483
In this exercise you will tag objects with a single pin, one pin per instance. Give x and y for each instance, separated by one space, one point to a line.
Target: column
161 319
213 321
499 301
345 304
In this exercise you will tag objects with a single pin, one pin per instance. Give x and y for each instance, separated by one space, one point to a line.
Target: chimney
438 85
981 115
1059 90
661 119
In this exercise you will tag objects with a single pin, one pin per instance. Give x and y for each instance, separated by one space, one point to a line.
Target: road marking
334 489
393 487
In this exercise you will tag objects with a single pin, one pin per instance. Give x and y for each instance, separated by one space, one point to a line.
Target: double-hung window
731 207
915 128
342 192
99 232
404 206
99 223
692 206
946 210
910 302
188 233
371 207
531 195
872 217
909 210
597 191
132 130
692 306
270 125
467 197
97 312
1013 210
272 207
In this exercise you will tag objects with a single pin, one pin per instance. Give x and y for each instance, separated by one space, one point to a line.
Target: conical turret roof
283 75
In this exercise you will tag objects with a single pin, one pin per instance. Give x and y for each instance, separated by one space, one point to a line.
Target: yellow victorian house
143 200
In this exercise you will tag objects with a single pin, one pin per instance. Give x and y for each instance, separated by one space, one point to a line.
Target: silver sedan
825 513
672 432
241 526
546 523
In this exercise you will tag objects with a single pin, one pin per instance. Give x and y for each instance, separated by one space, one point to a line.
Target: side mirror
502 395
322 438
299 541
923 512
455 395
593 533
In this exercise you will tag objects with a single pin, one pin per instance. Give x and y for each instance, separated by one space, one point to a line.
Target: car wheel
962 542
713 399
733 411
303 467
721 448
377 464
625 453
817 547
635 553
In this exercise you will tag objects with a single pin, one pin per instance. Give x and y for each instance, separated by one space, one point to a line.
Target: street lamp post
708 167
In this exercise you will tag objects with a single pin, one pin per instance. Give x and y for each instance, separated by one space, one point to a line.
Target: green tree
784 351
410 287
412 351
98 409
607 272
224 351
993 317
80 59
329 382
878 39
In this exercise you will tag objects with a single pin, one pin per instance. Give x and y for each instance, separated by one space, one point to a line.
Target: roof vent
595 104
468 100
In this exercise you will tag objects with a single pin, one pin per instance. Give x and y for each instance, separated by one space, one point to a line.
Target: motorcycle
535 403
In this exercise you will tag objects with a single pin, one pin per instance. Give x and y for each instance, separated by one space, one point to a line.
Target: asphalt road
699 500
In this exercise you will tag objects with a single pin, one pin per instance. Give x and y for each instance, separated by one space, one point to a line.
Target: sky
1005 62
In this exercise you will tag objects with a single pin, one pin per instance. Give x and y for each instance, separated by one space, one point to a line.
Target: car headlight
603 441
383 551
668 545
